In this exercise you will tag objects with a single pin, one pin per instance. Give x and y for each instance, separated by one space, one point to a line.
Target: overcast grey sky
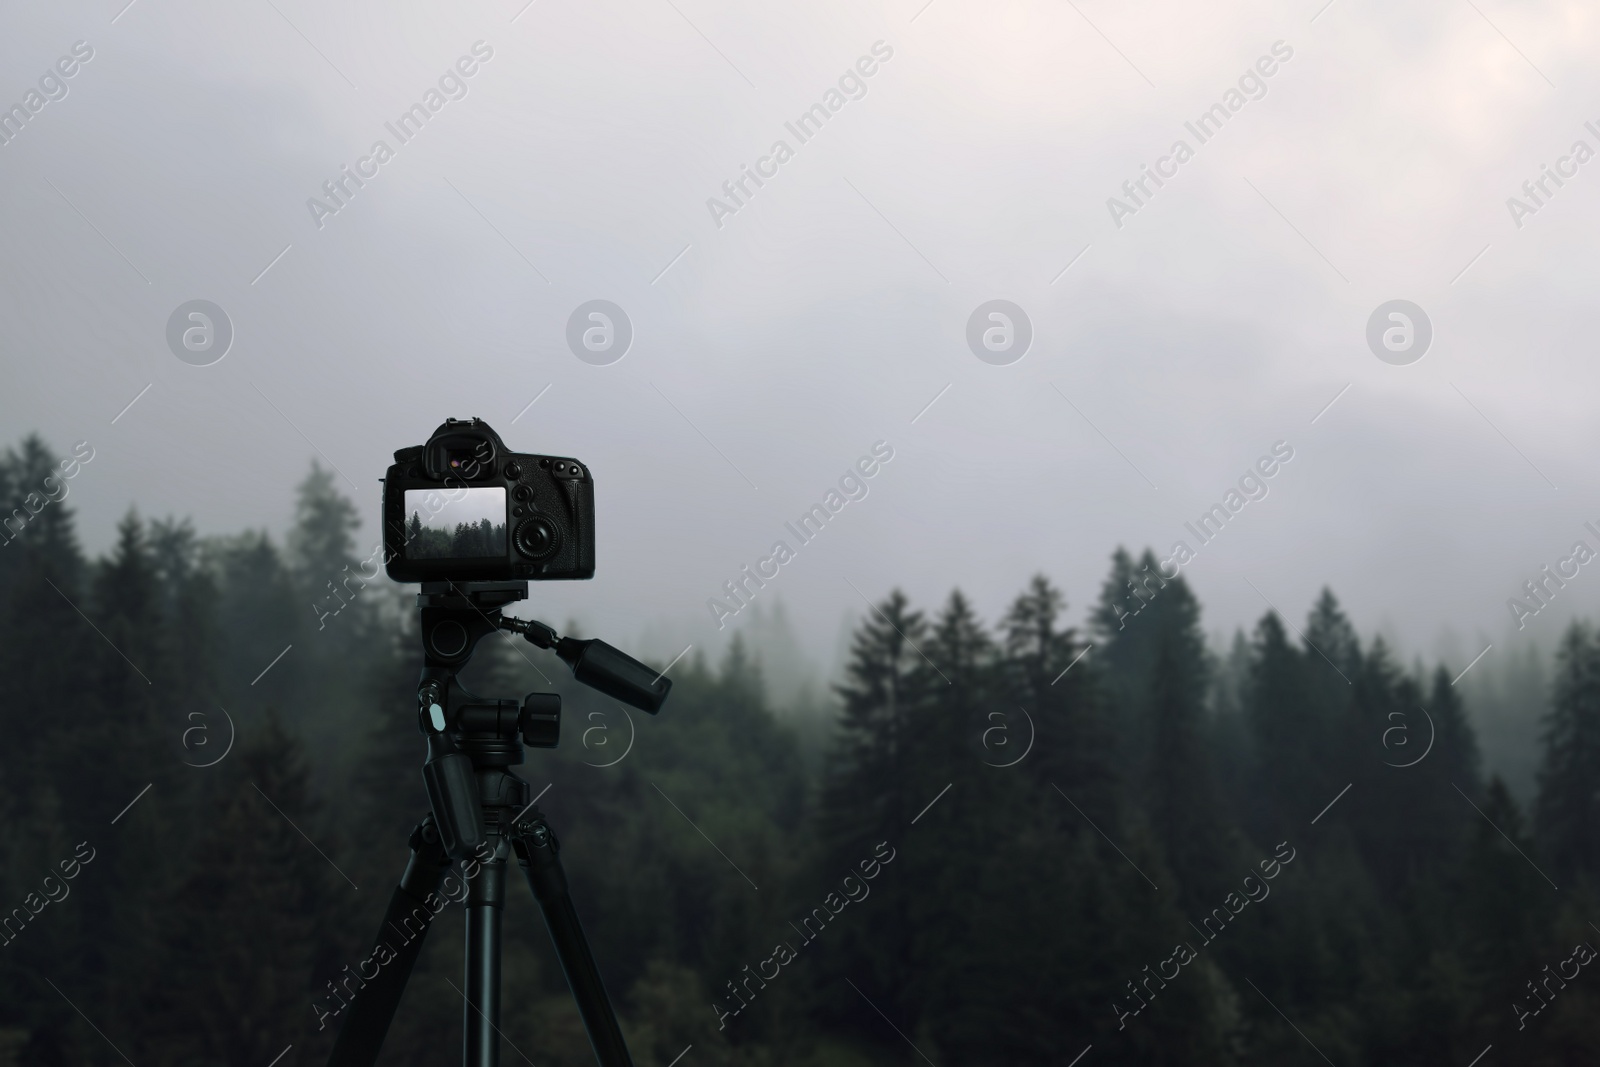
774 344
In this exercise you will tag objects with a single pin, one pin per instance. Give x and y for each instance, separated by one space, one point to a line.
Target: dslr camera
463 508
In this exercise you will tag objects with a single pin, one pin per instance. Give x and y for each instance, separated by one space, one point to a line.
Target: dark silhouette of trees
1091 831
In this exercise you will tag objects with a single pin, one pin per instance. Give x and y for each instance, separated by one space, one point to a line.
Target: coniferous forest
482 538
999 848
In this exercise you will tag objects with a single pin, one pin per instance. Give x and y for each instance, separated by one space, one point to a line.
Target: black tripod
482 814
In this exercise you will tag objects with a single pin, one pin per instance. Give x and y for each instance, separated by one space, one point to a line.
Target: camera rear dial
537 538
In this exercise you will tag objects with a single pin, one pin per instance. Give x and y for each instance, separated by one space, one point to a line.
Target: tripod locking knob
431 707
540 720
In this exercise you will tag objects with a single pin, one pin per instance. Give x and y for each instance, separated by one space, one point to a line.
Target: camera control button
537 538
513 471
523 493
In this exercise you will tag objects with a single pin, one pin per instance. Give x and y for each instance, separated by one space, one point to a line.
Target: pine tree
128 604
1050 670
871 794
260 613
866 798
961 752
141 684
46 647
1037 884
1332 638
1567 814
1378 697
254 916
322 542
186 597
1501 912
45 642
1158 667
36 514
1183 800
1233 746
1429 782
1305 733
337 624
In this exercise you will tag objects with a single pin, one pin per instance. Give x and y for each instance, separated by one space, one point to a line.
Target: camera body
464 508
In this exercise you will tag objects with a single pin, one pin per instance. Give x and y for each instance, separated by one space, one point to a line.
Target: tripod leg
399 942
536 848
485 904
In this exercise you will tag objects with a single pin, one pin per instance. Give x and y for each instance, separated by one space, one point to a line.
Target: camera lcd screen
457 523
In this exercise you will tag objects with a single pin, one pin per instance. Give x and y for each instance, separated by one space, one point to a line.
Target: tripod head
466 732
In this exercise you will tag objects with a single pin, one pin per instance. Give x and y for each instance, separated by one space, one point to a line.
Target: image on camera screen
455 523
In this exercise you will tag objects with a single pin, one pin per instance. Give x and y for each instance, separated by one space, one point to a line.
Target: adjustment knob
430 705
541 720
448 638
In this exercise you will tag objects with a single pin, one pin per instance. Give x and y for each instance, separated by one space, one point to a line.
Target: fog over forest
1110 490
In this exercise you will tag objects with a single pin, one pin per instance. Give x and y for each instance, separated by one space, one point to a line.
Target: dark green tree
1567 814
322 541
1049 670
1156 664
257 917
870 793
866 795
